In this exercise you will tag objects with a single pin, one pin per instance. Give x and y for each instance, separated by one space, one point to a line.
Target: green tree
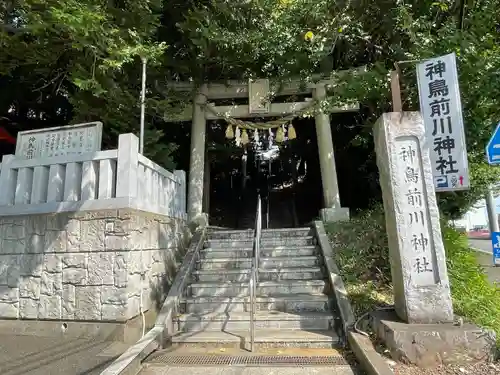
82 58
75 60
234 39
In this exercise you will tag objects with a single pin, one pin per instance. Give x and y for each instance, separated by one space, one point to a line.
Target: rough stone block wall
87 266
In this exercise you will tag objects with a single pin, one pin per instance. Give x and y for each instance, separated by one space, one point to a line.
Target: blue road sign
493 147
441 181
495 240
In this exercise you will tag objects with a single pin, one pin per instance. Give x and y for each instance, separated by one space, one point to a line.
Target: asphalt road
481 244
485 258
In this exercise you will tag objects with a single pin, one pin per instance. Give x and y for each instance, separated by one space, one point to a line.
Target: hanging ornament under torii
256 136
229 132
237 137
291 132
280 135
242 137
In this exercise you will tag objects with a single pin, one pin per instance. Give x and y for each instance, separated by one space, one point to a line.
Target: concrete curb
346 312
369 358
481 251
129 363
371 361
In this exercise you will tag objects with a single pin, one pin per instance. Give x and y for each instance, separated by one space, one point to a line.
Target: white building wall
476 217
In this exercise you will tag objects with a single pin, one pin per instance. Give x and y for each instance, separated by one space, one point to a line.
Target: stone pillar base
334 214
199 221
432 345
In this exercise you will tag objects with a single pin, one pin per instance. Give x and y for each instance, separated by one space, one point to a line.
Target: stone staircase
293 303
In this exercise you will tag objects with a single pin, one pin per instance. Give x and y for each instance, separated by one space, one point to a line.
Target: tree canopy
65 61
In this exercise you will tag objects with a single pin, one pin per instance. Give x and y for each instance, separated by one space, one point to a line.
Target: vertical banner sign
441 110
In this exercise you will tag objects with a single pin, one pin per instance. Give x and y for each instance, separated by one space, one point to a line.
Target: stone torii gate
258 93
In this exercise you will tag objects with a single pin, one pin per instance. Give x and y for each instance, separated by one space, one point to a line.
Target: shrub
361 246
474 297
361 251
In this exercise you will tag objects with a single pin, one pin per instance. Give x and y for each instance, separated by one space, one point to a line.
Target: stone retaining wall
87 266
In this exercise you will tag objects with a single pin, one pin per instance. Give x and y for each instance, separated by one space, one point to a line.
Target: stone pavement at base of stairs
166 370
35 355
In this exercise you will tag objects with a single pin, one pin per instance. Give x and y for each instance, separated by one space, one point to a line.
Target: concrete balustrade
113 179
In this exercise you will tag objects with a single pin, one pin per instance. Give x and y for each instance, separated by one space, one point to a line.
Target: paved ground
485 258
34 355
337 370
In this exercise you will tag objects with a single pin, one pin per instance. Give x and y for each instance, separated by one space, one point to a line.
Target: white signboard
58 141
442 113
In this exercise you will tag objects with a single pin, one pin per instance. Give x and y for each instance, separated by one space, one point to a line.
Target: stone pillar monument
418 264
422 332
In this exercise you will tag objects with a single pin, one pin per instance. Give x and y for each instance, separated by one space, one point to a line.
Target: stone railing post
180 193
127 166
8 180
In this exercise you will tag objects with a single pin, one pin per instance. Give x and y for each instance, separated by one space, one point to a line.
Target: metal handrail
254 271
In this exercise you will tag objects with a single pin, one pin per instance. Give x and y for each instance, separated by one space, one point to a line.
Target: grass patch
361 251
474 297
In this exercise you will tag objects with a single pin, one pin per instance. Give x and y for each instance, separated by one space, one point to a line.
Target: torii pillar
197 160
332 210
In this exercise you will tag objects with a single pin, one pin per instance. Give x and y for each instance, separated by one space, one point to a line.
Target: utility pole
490 207
143 106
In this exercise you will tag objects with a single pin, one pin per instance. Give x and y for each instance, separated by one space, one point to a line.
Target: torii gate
257 91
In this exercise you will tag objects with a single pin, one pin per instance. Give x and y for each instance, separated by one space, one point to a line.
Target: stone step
276 274
265 242
266 233
284 303
264 338
266 252
230 234
265 263
263 320
287 232
263 288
